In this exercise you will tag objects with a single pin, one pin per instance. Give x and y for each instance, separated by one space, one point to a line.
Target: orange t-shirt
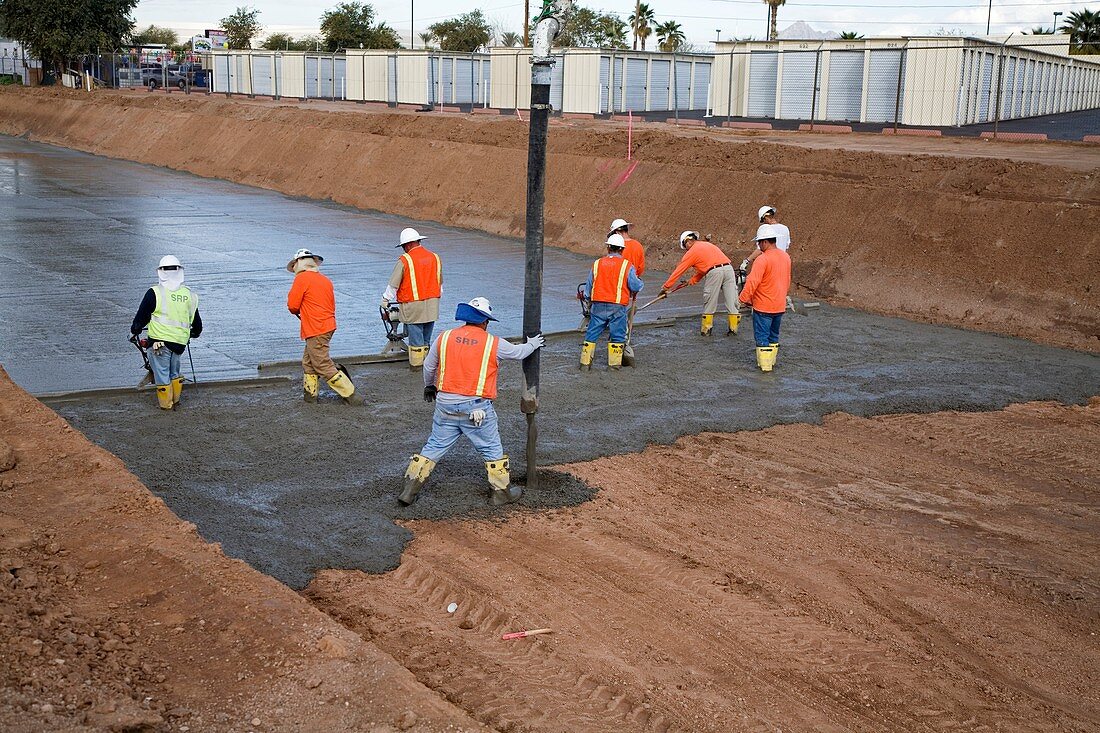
311 297
703 256
635 255
768 283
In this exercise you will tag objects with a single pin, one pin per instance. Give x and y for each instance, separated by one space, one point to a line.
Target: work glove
430 393
664 291
385 304
537 340
744 265
476 417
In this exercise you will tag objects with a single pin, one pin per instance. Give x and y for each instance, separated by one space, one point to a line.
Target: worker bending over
171 312
416 283
611 285
460 376
312 299
766 291
633 251
713 267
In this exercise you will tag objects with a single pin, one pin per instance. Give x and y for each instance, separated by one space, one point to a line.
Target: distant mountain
801 31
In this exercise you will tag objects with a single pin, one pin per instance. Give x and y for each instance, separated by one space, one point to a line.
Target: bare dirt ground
909 573
116 616
986 243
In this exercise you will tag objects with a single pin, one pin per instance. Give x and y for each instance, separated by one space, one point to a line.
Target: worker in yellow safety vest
460 376
170 311
416 283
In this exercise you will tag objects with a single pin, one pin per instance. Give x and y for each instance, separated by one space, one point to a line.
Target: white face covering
305 263
171 279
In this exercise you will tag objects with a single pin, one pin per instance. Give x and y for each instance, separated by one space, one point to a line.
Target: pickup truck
181 75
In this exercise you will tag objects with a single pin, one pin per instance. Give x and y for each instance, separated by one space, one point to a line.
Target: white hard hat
764 210
616 240
482 305
408 234
301 254
169 261
685 236
767 231
618 224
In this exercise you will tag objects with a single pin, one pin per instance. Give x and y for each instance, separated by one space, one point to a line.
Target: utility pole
548 26
989 17
526 25
412 24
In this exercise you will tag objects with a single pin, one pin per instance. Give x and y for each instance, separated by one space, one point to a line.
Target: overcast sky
700 18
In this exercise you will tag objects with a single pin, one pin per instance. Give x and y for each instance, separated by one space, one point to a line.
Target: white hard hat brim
290 265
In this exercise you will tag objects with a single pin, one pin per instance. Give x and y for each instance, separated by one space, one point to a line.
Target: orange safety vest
423 275
467 362
609 280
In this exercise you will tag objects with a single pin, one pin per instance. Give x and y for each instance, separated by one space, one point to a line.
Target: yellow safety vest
173 315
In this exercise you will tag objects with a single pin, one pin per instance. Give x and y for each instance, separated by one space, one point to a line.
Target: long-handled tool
192 360
628 350
662 296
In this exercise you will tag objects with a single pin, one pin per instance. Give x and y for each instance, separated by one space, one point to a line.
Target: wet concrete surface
292 488
81 236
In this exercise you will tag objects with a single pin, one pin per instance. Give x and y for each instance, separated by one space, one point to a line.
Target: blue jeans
451 422
420 334
165 363
610 316
765 327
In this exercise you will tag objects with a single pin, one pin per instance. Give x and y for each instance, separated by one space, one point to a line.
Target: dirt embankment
898 573
115 615
987 244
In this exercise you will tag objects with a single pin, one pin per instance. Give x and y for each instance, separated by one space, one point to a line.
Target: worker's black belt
718 267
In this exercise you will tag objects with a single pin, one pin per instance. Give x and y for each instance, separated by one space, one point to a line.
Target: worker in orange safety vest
612 284
460 376
416 283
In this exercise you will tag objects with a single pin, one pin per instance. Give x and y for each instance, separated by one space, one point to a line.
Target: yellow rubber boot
417 355
615 356
708 324
588 349
311 385
500 482
344 387
775 354
765 358
177 389
735 322
164 396
415 475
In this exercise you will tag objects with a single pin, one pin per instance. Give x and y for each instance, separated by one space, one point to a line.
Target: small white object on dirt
452 607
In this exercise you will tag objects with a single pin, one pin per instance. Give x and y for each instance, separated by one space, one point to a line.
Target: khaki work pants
720 281
316 360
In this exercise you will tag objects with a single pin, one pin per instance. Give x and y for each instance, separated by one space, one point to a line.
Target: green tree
510 39
155 35
588 28
1039 31
351 25
773 17
241 27
467 32
670 36
54 30
641 23
850 36
426 40
277 42
1083 27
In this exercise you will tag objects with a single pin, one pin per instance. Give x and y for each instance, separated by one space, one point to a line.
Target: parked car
176 75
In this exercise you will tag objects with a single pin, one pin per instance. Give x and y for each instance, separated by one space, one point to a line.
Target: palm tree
426 39
773 17
510 39
641 23
1083 27
670 36
850 36
1039 31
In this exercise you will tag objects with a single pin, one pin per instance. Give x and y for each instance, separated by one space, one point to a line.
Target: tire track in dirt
907 572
